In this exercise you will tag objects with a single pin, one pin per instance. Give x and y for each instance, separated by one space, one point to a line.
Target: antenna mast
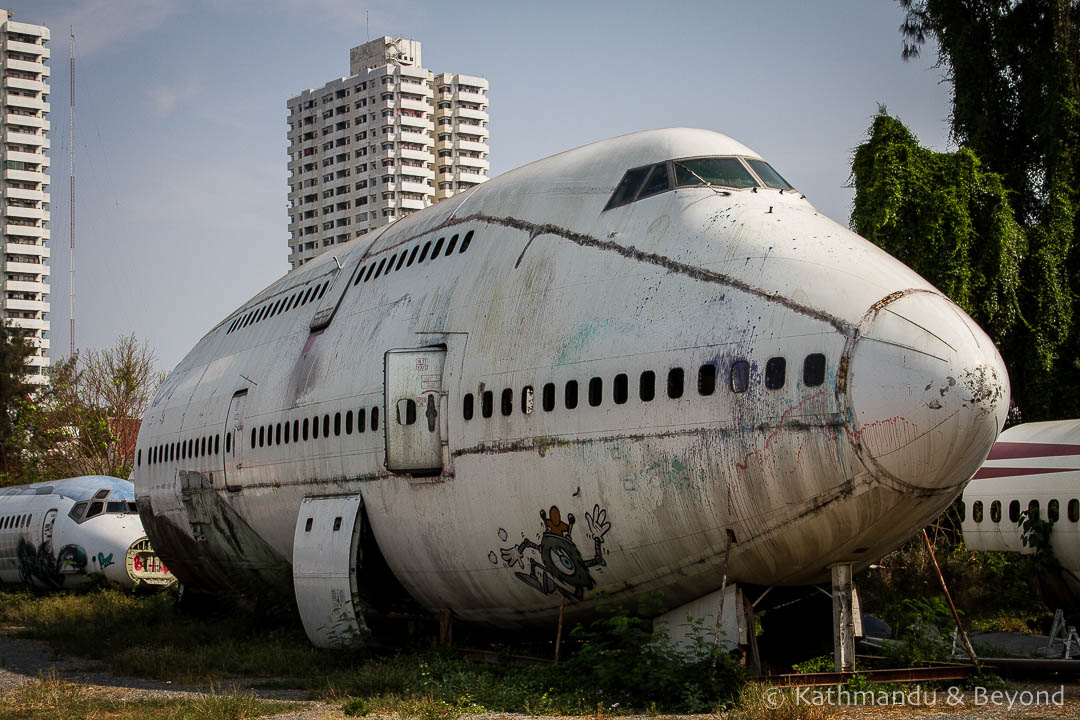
71 208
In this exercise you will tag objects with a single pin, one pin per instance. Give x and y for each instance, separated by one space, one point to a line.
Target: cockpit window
657 182
116 506
770 177
96 508
721 171
77 511
627 187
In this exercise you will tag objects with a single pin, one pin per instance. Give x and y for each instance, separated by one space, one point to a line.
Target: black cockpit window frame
644 181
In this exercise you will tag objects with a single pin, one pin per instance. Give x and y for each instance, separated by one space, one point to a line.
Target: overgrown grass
616 664
147 636
50 697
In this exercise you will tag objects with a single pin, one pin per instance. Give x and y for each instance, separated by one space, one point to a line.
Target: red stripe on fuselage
996 472
1016 450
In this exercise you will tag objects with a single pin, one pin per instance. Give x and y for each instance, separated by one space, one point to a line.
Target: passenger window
323 290
424 252
549 397
401 261
647 386
228 442
390 265
506 404
1033 510
361 420
254 436
1014 511
307 524
326 425
409 406
378 271
305 429
315 428
977 511
526 397
412 256
596 392
620 389
627 188
467 406
675 383
262 436
657 182
450 247
1053 511
296 430
770 177
348 422
337 524
487 403
96 508
138 458
995 511
374 419
288 427
570 395
337 424
706 379
277 434
465 241
775 369
813 371
740 376
438 246
217 444
1074 510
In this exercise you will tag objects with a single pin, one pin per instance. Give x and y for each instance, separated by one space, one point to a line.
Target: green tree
15 393
1014 67
87 419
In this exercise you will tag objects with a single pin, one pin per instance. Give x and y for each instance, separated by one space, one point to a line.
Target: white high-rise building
24 196
388 140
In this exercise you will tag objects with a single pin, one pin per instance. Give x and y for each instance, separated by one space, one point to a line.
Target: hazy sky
181 119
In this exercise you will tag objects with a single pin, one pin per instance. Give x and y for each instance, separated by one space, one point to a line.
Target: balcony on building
26 286
11 304
26 268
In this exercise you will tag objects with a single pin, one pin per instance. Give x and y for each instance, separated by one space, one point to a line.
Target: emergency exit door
415 410
234 442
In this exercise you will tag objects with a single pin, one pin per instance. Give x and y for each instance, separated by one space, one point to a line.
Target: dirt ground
23 660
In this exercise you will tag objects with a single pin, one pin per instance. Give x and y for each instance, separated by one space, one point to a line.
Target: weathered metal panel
325 560
415 417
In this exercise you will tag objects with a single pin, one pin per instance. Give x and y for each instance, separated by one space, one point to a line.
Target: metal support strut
843 618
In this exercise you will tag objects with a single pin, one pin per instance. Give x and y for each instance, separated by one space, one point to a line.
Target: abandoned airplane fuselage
622 368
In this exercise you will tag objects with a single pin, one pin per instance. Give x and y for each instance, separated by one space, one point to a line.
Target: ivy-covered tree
994 225
15 391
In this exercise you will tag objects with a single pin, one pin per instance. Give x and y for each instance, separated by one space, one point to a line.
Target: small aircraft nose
928 391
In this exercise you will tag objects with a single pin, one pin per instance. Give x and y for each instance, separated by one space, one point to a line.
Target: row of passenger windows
729 172
738 380
190 448
282 305
12 522
302 430
406 259
1053 511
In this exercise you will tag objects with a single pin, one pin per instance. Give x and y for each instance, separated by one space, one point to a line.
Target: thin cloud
164 98
99 24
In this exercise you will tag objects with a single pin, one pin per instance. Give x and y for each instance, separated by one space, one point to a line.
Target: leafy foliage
15 392
1001 212
86 420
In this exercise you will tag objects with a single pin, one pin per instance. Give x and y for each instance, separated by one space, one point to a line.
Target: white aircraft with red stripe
1033 468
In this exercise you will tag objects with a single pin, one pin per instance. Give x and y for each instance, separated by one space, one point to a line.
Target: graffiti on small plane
39 563
555 563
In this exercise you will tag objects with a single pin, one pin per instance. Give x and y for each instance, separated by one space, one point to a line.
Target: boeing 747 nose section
928 392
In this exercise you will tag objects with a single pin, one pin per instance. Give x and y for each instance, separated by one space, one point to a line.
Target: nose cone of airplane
928 391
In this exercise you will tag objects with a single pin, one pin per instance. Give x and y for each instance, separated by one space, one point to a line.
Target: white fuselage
1032 471
642 488
60 535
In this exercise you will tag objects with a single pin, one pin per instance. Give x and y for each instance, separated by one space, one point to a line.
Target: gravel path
23 660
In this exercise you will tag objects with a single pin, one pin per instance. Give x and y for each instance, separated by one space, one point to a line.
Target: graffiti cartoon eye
565 560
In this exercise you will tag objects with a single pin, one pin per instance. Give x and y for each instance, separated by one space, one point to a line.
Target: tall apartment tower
24 196
388 140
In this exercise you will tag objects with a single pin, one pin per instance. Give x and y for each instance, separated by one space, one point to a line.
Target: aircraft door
326 558
234 442
415 410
